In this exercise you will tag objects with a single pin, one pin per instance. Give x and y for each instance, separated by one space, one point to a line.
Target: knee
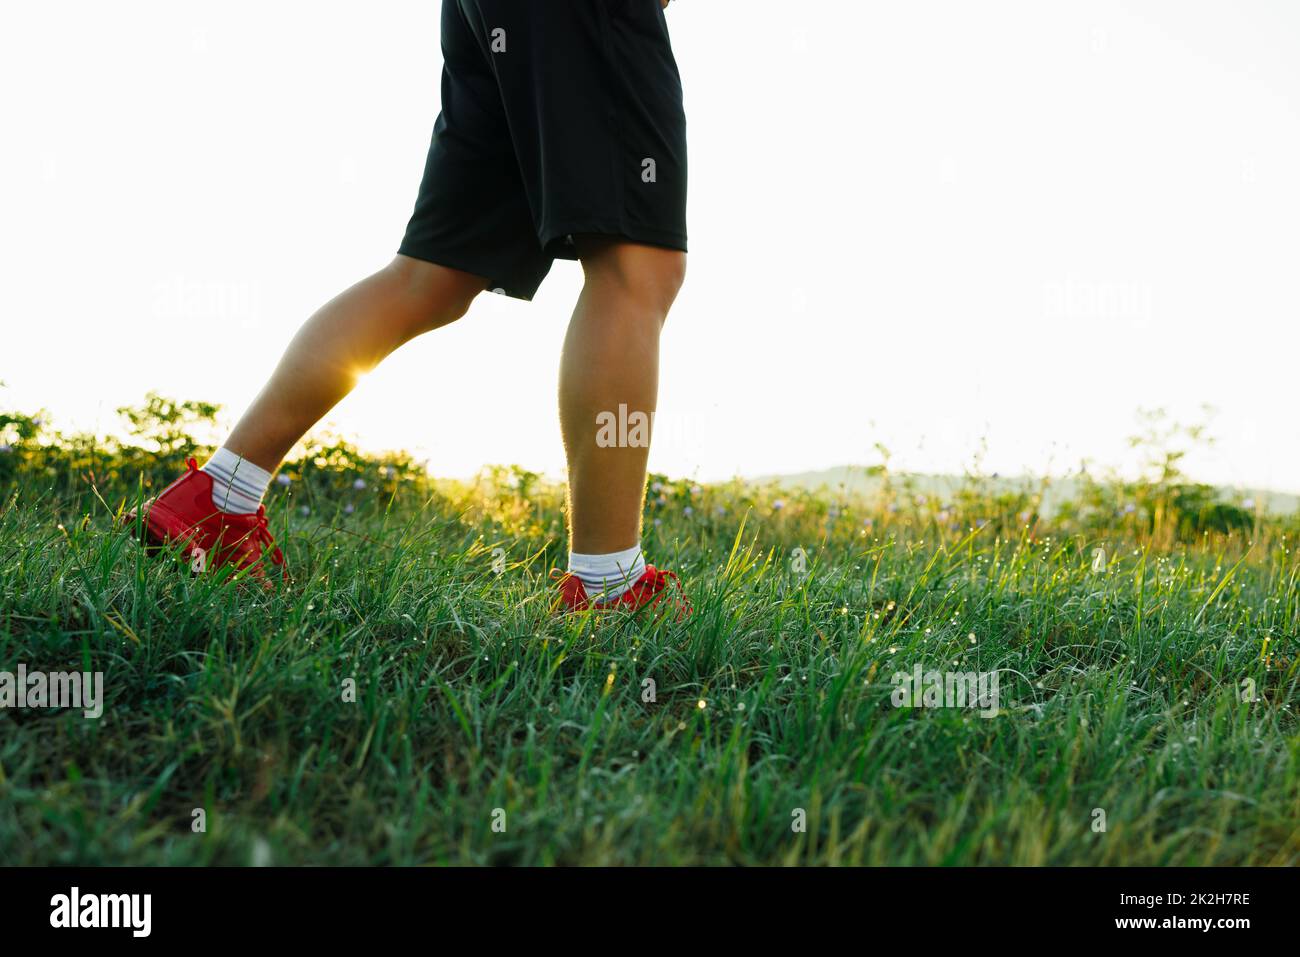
437 295
648 275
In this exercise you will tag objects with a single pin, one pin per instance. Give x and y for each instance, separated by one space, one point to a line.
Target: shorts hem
552 237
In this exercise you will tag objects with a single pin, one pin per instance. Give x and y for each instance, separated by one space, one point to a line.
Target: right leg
347 337
611 361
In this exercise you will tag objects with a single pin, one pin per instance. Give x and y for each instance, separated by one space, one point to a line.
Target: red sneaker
651 590
184 513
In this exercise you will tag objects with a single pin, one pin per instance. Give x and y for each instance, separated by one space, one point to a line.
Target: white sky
932 224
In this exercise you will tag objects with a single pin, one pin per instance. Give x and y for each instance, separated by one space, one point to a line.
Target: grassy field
1148 687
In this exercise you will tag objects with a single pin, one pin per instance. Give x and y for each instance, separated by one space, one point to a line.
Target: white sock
608 576
237 484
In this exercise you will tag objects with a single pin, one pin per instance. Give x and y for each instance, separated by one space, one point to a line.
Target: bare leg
611 358
346 337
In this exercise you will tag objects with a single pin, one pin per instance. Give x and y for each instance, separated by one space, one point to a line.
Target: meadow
412 697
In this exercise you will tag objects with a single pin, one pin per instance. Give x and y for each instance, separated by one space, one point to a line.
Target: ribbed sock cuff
608 576
237 484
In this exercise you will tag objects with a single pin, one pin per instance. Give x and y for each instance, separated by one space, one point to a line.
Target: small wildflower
282 479
359 484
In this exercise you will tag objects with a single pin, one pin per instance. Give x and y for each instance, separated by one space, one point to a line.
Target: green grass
1121 688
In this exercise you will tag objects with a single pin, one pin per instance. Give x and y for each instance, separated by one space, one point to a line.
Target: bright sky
940 225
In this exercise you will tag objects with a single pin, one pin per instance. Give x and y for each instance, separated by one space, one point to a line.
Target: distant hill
856 480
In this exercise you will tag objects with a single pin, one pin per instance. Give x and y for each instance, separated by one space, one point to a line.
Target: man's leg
611 358
215 510
345 338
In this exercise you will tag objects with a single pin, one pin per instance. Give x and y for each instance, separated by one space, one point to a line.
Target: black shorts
559 118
